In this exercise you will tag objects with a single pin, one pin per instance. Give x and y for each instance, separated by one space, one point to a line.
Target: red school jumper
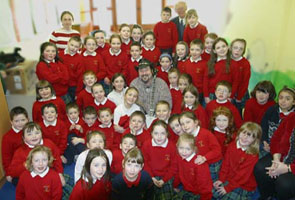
87 129
112 138
198 32
118 157
100 49
95 63
69 123
200 114
166 35
205 56
131 71
152 54
105 104
176 100
84 99
126 47
141 137
163 74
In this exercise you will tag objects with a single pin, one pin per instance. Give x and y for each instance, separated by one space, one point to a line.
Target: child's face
221 122
126 145
159 135
286 101
182 84
192 20
115 45
90 119
221 49
125 33
39 162
165 16
105 117
89 80
195 51
45 93
98 93
245 139
237 49
96 141
165 63
162 112
136 34
136 123
131 170
49 53
149 41
49 114
19 121
173 78
90 45
185 150
73 114
33 137
73 46
222 93
208 44
180 50
130 97
135 52
119 84
67 21
188 125
176 127
98 167
189 98
262 97
100 39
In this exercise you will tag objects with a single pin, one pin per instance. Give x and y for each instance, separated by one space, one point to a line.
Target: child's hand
155 181
62 179
63 159
200 160
207 100
221 190
119 129
9 178
107 81
266 146
76 140
161 183
176 190
79 128
72 126
217 184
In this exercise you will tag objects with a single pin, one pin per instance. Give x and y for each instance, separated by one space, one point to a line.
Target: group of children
204 146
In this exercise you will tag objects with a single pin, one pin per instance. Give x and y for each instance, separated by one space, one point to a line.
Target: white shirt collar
239 146
219 59
53 61
154 144
33 174
101 103
149 49
105 126
126 42
31 146
195 61
74 122
49 123
52 98
137 60
175 88
221 102
139 132
114 54
194 25
88 90
195 134
86 179
89 54
218 129
189 107
190 157
208 52
67 52
237 59
167 70
15 130
182 19
286 113
101 46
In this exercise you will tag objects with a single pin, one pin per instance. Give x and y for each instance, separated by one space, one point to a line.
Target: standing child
133 182
124 31
95 139
191 103
194 29
136 33
209 40
165 65
176 94
262 97
175 126
95 178
100 37
119 89
12 140
208 147
135 51
159 154
166 32
39 181
50 68
45 94
149 50
181 56
90 120
236 177
222 126
123 111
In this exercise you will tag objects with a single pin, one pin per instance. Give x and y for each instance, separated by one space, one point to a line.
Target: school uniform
200 114
197 32
131 69
46 185
141 136
176 100
152 54
163 74
166 35
221 137
104 47
112 137
125 46
181 65
122 114
84 99
206 55
87 129
106 103
61 37
118 157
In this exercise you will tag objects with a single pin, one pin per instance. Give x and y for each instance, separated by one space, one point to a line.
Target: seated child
149 50
39 181
135 51
12 140
174 124
176 95
99 36
133 182
119 89
90 120
165 61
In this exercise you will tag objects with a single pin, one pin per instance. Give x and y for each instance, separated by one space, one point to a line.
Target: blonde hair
181 4
190 139
134 155
191 12
36 149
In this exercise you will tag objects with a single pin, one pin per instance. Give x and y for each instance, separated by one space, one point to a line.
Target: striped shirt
61 37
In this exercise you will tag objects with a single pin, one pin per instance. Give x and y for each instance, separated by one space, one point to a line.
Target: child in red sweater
175 126
159 156
262 97
209 40
100 37
196 180
149 50
85 98
222 93
222 126
135 51
184 81
208 147
191 103
39 181
194 29
165 61
90 120
166 32
236 177
12 140
45 94
54 129
95 179
50 68
136 33
124 31
176 95
181 56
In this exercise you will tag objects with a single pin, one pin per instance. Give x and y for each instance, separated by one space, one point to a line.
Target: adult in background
179 21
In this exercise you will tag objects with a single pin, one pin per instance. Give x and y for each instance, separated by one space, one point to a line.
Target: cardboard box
22 78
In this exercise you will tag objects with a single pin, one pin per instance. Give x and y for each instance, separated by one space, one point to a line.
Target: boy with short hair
176 94
135 51
90 120
222 93
100 99
166 32
133 182
13 138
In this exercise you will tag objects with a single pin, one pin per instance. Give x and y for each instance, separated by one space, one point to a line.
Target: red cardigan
199 32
